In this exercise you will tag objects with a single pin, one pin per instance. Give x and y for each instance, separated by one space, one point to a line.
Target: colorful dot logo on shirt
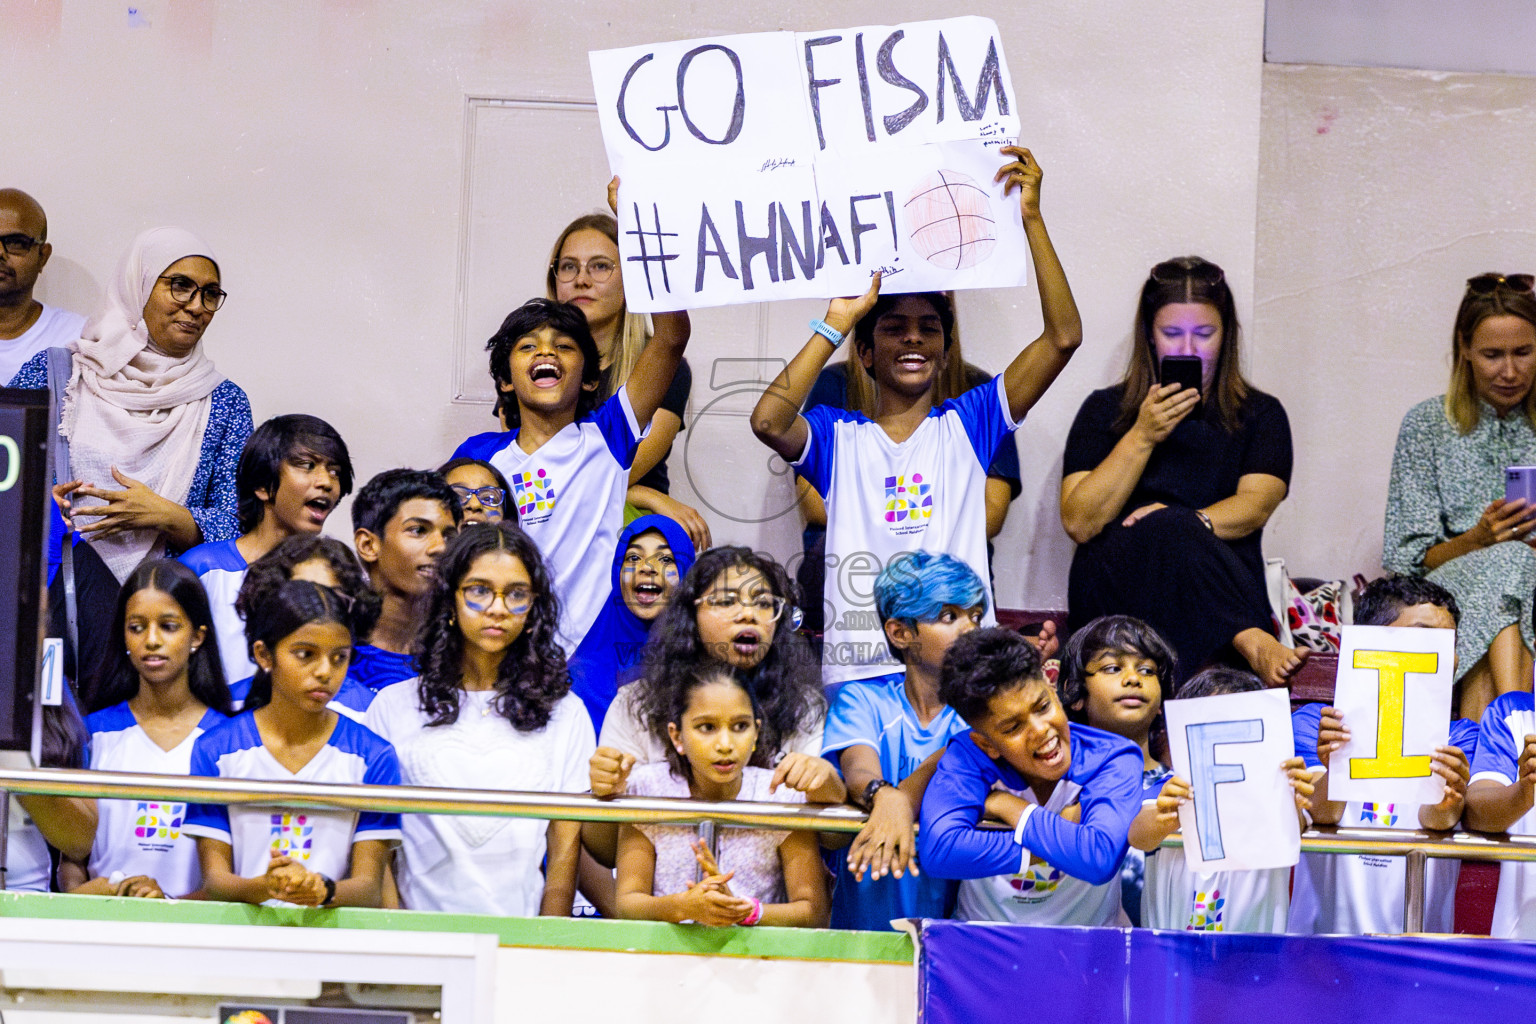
1039 880
292 835
158 821
1379 814
1206 915
907 499
535 492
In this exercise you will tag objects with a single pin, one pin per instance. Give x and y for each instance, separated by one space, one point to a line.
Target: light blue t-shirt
876 713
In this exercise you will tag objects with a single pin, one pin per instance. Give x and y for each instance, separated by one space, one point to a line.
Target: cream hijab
131 406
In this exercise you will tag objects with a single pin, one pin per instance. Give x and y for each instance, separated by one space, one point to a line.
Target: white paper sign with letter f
1394 691
1242 811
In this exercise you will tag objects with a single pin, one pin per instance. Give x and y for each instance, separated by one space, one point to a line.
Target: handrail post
1413 891
710 837
5 835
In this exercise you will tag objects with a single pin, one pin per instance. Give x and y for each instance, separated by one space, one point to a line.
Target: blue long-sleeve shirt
1106 767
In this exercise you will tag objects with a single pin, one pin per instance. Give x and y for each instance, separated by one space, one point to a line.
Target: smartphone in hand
1187 372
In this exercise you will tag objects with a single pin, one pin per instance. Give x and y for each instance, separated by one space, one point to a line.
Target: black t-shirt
674 401
1196 465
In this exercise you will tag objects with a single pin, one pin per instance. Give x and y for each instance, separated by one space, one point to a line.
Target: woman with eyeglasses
584 271
1447 518
155 430
481 489
1166 486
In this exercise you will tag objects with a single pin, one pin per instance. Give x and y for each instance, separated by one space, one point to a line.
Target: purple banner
1003 973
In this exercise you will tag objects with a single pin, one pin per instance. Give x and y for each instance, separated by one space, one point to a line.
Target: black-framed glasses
479 597
19 244
1174 271
183 288
731 601
1484 284
599 269
490 496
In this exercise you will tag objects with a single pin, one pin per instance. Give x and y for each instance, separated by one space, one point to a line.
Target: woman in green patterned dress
1446 514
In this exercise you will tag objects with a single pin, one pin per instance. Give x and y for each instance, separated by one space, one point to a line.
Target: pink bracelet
755 916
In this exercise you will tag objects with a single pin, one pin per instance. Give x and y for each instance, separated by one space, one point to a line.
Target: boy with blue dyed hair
1068 792
886 735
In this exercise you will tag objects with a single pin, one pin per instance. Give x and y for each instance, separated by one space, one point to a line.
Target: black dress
1195 589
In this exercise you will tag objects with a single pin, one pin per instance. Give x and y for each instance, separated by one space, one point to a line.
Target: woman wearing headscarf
155 432
653 554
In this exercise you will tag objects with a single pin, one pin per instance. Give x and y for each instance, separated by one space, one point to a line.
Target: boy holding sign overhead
1183 890
1068 792
915 476
1356 894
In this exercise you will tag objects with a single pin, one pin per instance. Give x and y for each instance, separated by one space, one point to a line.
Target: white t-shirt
143 837
624 732
27 865
1178 899
570 499
222 568
1043 894
883 498
470 863
1501 738
319 840
54 328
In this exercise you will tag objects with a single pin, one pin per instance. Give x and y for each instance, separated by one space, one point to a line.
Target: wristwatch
867 799
330 890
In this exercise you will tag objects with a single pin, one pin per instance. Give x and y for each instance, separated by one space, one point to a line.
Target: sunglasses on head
1484 284
1174 271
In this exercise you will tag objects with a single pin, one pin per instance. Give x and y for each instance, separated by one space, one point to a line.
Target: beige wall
1380 192
317 144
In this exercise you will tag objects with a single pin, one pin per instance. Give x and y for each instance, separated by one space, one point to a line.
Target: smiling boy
1069 793
292 473
402 519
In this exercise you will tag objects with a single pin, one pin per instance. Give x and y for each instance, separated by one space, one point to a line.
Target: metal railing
1416 847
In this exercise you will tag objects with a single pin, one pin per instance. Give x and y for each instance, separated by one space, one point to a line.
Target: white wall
1380 193
317 145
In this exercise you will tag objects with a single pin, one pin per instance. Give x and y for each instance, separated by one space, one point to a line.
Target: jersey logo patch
908 500
1206 915
535 493
292 835
1037 883
157 820
1379 814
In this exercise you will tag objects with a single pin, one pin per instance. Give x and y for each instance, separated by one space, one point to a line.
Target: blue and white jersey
351 700
883 498
876 713
1501 738
1362 894
319 840
377 668
222 568
143 837
1049 870
570 499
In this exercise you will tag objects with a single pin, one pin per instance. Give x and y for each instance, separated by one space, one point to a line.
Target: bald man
26 325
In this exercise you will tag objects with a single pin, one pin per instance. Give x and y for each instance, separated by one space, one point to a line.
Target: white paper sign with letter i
795 165
1241 814
1394 691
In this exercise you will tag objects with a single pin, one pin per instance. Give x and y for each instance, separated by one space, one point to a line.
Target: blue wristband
827 331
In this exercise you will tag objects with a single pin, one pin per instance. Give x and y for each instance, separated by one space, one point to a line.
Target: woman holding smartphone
1166 488
1447 517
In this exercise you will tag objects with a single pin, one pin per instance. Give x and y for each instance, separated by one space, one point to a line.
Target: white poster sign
1394 691
796 165
1242 811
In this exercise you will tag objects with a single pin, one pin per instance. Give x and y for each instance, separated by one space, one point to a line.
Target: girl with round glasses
1166 488
584 270
1447 519
491 709
481 488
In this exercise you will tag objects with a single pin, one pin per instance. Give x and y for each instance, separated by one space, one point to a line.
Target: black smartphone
1185 371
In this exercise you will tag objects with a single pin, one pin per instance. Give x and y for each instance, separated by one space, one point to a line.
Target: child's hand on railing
609 770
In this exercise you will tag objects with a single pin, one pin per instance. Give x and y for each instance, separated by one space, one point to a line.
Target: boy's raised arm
658 362
776 420
1035 368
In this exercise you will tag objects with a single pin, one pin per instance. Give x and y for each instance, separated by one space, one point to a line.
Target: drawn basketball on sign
951 221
